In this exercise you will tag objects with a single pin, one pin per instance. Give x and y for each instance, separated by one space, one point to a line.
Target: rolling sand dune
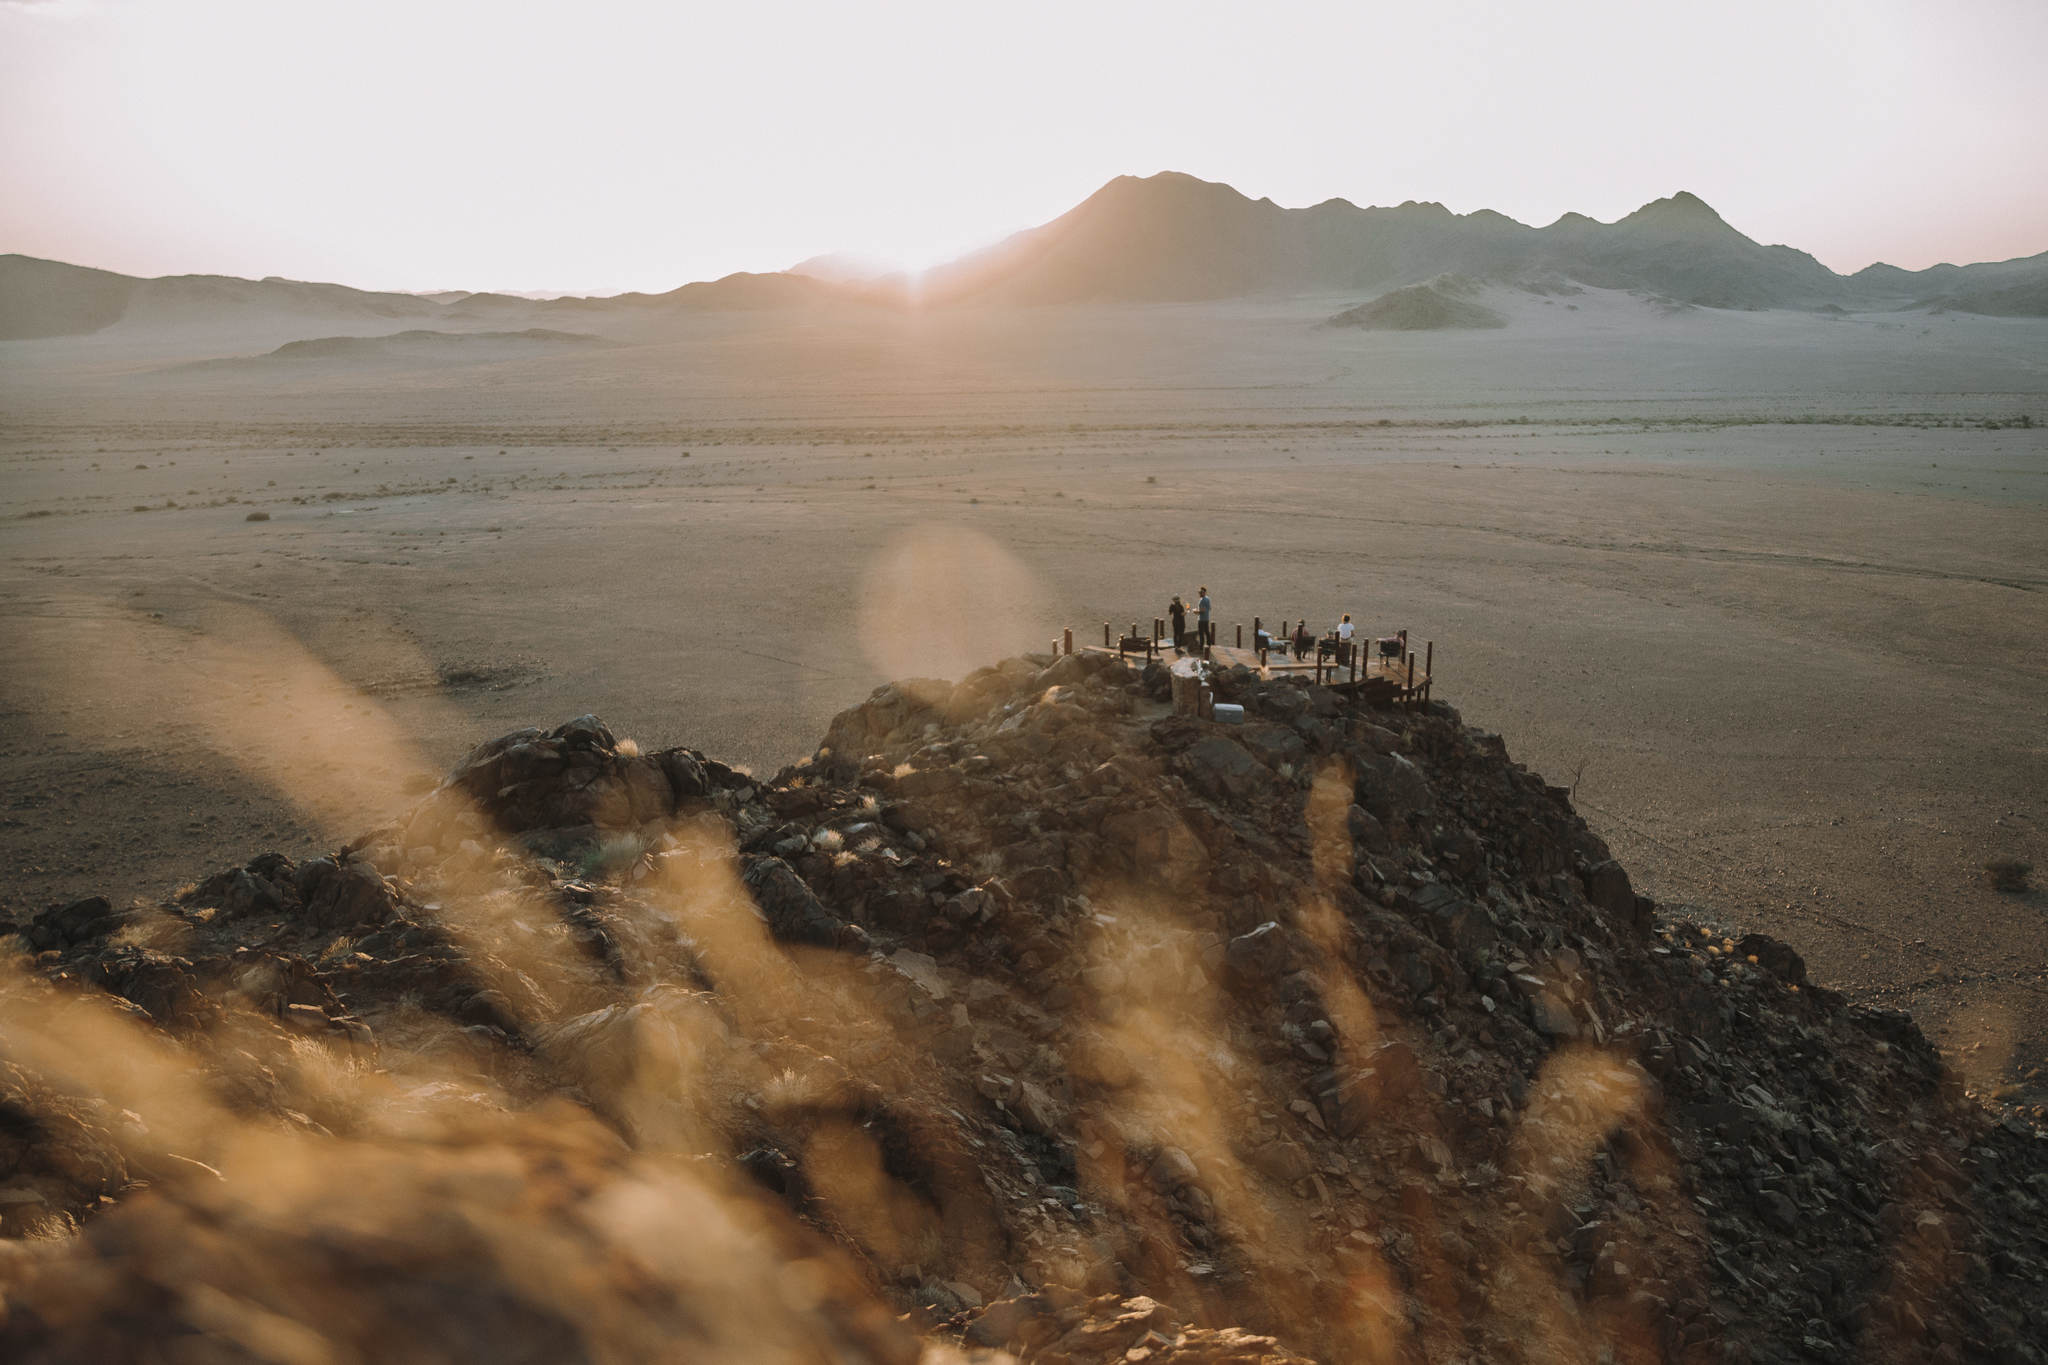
416 347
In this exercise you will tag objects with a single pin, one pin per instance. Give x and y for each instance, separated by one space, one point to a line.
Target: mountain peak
1681 211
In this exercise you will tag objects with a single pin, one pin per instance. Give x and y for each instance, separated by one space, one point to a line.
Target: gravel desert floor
1768 591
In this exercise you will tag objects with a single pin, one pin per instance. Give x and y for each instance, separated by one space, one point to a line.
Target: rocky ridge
1024 1020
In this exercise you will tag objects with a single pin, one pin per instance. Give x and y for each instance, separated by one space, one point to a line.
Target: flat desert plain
1768 590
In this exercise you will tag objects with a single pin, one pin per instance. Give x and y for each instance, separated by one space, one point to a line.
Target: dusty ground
1768 590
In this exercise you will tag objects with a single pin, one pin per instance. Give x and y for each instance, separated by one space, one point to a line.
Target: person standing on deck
1345 630
1179 613
1202 616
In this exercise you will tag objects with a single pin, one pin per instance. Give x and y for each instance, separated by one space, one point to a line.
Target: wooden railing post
1067 637
1105 635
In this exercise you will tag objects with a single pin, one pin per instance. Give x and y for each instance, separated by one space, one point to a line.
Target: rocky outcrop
1022 1020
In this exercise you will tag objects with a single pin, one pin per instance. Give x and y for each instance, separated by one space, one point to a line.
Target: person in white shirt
1344 633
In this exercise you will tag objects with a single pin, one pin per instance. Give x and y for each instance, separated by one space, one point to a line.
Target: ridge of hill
1024 1019
1173 237
46 299
423 339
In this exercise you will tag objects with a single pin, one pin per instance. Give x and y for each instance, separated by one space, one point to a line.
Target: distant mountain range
1172 237
1163 238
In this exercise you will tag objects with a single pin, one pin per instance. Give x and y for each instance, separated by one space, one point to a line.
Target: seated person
1303 641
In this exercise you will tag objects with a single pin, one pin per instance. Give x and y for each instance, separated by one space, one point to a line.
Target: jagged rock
1607 886
1552 1017
160 984
1173 1168
63 925
793 912
1155 842
1368 835
1778 1211
346 895
266 886
1261 956
1391 787
1223 770
574 778
1273 745
1777 958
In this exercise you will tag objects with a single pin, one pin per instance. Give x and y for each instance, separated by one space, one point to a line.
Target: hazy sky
602 145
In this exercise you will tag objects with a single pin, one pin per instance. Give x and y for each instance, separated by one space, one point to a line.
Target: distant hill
1444 303
40 299
411 347
51 299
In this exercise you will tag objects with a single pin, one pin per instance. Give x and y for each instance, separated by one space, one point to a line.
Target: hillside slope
1024 1016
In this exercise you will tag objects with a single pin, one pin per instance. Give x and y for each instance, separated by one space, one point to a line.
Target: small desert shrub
257 516
612 856
2008 874
629 748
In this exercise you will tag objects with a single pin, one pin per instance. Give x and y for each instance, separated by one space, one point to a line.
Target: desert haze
1748 556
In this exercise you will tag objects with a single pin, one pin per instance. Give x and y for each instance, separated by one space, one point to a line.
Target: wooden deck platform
1403 680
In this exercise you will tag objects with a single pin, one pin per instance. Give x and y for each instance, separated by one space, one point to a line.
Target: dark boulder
345 896
1223 771
1393 788
794 914
1607 886
1777 958
62 926
1262 956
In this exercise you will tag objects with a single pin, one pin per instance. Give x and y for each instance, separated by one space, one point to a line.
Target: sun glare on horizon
373 143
